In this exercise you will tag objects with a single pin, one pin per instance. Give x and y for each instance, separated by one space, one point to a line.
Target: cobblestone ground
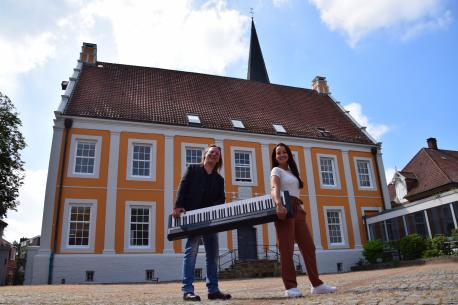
434 283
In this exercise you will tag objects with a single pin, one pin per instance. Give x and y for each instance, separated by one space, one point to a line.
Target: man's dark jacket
199 190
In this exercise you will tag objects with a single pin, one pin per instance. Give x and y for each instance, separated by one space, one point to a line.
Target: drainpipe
374 151
68 124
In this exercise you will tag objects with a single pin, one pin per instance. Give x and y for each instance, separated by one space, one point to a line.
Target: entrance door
246 238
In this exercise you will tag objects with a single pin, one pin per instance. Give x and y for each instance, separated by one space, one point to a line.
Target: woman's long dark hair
291 163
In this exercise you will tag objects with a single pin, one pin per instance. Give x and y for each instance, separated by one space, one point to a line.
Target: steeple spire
256 67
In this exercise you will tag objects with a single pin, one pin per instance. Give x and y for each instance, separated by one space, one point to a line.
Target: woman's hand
177 212
281 211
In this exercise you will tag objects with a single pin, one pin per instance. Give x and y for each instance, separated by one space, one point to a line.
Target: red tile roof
433 169
133 93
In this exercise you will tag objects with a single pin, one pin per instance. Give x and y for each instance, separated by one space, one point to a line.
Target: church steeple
256 67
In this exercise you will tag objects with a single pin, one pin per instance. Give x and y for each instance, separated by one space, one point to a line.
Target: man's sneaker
190 296
322 289
219 296
293 293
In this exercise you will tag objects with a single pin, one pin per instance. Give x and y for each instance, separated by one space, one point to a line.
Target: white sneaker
293 293
323 288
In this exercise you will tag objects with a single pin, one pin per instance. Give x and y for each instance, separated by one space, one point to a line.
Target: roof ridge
437 165
205 74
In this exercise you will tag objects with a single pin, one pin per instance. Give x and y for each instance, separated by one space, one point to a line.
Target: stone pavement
433 283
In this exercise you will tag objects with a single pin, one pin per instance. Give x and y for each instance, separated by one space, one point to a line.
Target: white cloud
169 34
358 18
279 3
389 174
375 130
26 222
23 55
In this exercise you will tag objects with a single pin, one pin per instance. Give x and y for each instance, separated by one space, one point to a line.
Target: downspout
68 124
374 151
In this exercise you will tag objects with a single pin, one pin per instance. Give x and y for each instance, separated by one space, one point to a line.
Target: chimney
432 143
320 84
89 53
64 84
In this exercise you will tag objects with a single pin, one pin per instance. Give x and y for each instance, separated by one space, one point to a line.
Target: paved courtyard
433 283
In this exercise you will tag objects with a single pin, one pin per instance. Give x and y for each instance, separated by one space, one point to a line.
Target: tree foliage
11 165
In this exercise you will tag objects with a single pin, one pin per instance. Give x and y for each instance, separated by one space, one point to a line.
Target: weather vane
251 12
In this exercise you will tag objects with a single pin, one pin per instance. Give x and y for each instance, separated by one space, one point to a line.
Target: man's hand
177 212
281 211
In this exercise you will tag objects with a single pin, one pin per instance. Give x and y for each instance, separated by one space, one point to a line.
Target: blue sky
392 63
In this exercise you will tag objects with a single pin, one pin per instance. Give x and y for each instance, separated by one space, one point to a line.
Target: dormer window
193 119
279 128
238 124
401 189
324 132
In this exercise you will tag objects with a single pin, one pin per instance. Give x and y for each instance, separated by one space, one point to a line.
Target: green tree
11 165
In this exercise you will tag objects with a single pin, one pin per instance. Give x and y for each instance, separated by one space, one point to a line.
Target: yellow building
123 136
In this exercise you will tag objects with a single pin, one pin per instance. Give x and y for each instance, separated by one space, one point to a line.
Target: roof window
193 119
279 128
238 124
324 132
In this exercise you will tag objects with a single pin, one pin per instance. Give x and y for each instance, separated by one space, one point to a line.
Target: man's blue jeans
189 263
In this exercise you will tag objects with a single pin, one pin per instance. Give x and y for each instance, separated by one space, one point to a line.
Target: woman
285 177
201 186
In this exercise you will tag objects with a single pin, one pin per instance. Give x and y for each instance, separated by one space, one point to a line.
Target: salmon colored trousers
292 230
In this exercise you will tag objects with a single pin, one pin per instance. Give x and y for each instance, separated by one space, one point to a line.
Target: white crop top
288 182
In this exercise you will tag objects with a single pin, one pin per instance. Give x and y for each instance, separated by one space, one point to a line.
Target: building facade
123 136
424 197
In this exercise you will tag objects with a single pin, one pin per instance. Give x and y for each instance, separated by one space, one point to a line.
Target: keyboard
226 216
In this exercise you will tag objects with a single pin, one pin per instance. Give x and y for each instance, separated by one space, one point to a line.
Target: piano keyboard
226 216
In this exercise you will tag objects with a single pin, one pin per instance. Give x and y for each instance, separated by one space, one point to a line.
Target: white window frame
341 210
68 204
130 155
254 175
152 232
335 169
371 173
72 161
183 153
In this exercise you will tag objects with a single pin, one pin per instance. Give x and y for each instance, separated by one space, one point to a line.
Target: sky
393 64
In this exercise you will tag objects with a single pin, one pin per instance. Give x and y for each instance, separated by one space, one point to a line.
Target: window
193 155
85 157
238 124
328 171
364 173
139 226
90 276
193 119
279 128
334 227
243 166
150 275
139 234
84 161
141 160
80 221
78 227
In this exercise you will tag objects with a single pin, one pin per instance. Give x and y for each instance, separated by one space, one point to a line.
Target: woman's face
281 155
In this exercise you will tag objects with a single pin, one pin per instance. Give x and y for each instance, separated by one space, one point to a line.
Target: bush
412 246
373 249
455 234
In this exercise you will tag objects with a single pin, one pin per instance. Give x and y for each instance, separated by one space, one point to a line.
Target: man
201 186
